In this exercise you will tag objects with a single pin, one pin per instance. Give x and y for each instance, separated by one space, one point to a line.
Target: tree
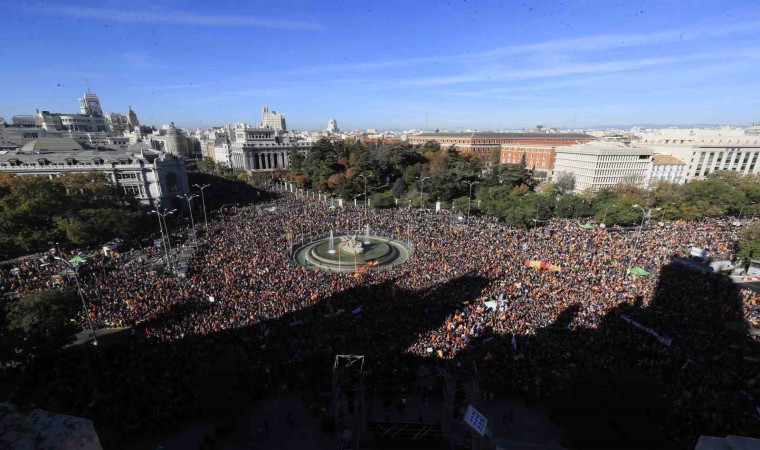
460 204
749 244
207 165
45 318
295 159
92 227
399 188
564 183
382 200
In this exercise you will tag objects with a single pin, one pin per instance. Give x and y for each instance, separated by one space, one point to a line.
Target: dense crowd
465 294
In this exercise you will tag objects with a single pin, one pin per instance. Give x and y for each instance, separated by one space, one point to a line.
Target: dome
52 145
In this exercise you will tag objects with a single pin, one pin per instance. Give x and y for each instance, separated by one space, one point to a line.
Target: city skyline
389 65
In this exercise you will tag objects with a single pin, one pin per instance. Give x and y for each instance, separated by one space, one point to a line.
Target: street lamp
203 199
647 213
422 187
81 297
469 199
167 240
364 175
189 199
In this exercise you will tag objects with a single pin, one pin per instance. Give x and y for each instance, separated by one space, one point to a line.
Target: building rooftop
52 145
604 148
506 135
665 159
37 429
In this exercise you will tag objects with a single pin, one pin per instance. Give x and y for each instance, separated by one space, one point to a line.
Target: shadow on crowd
146 386
649 376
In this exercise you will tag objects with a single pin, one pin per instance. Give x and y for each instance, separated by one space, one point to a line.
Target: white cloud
504 74
595 43
177 17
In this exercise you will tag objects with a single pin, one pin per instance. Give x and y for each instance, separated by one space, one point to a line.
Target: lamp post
81 297
469 199
604 220
203 199
364 175
189 199
167 242
647 213
422 188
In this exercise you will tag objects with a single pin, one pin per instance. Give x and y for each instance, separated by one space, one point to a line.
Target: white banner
664 340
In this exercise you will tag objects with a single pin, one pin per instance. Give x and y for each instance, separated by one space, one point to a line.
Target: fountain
332 247
352 252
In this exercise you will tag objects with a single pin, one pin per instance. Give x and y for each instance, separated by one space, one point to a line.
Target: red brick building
484 144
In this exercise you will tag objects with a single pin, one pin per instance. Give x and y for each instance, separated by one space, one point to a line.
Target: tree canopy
80 208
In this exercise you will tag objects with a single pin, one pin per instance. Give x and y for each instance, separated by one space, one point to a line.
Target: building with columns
705 151
261 148
154 177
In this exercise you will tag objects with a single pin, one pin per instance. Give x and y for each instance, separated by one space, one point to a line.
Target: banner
662 339
698 252
542 265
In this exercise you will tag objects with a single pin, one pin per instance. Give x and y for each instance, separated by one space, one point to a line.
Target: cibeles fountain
351 251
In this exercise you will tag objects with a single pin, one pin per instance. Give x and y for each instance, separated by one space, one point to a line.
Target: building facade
485 144
705 151
155 178
666 168
117 123
332 127
598 165
272 120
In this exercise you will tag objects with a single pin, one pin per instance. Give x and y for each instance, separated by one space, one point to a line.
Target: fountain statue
350 245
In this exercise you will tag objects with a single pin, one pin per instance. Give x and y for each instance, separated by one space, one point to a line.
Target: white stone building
666 168
596 165
117 123
154 177
332 127
705 151
272 120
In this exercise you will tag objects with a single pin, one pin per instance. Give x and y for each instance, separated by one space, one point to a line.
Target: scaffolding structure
462 388
348 399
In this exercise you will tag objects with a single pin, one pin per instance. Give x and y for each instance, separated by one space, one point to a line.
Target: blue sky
390 64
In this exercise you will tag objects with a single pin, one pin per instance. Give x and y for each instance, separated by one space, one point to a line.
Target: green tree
460 204
45 318
382 200
749 244
207 165
295 159
399 188
92 227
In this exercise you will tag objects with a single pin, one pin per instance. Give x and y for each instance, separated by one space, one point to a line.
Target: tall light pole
469 199
189 199
163 237
168 242
647 213
422 187
203 199
81 297
364 175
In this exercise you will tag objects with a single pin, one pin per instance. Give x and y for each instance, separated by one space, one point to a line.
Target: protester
241 277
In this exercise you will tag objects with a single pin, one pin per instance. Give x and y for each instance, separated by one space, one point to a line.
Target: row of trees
81 209
507 191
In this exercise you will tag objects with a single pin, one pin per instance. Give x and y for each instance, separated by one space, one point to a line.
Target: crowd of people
466 294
